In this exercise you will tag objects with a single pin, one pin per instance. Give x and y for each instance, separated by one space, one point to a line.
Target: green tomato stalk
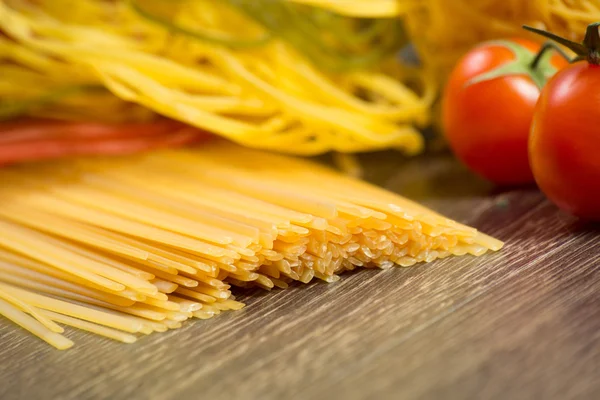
537 66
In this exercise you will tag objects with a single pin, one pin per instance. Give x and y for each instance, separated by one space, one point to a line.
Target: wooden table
523 323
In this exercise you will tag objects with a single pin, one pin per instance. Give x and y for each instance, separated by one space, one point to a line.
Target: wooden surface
520 324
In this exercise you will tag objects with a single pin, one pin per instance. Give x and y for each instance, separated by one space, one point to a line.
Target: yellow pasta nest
259 93
267 96
141 244
445 30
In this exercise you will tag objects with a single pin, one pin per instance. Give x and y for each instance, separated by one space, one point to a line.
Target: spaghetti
140 244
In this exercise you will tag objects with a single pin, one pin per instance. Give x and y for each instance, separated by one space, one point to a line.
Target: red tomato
488 107
564 146
565 140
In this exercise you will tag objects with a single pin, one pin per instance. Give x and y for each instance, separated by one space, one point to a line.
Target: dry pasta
445 30
238 77
128 246
259 93
362 8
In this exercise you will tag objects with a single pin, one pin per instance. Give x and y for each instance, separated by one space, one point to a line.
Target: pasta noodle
445 30
362 8
182 228
234 69
263 93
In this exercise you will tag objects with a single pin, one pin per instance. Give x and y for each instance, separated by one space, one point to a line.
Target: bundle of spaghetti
444 30
216 65
128 245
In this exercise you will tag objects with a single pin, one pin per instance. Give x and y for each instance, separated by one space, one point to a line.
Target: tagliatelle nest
271 94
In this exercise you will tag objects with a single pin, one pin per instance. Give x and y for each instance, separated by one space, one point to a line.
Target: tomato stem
588 50
592 42
548 46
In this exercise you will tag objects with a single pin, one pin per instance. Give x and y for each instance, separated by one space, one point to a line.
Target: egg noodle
235 81
119 246
240 80
444 30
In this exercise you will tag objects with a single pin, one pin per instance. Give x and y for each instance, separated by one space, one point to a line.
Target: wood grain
519 324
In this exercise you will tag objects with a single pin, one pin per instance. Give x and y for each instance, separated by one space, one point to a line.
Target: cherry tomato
564 145
488 107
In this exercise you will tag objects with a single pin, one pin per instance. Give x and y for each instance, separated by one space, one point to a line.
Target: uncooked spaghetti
140 244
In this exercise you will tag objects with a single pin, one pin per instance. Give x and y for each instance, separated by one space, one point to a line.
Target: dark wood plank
521 323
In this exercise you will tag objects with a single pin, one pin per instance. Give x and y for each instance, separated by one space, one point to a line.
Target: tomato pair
514 113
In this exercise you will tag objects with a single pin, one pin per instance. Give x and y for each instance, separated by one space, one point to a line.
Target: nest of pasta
278 75
294 76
